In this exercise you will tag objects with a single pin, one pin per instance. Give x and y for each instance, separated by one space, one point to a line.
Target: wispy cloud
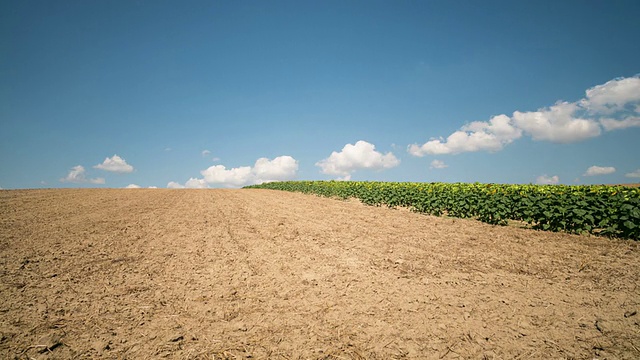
547 180
77 176
633 174
206 153
599 170
438 164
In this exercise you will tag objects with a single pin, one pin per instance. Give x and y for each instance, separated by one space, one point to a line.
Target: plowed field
202 274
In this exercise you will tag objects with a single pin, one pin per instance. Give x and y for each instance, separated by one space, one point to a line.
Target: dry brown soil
209 274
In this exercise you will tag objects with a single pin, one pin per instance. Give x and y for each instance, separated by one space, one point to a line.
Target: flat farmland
203 274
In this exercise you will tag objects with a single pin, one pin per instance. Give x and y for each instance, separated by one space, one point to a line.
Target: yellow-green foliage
601 210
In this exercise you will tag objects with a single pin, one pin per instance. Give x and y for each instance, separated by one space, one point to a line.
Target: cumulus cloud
77 176
633 174
219 174
612 124
611 106
557 123
438 164
547 180
115 164
132 186
264 170
613 96
280 168
476 136
599 170
362 155
174 185
194 183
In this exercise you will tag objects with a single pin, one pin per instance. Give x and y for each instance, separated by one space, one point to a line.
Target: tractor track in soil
195 274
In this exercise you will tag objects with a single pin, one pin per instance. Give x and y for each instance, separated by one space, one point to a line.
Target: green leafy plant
612 211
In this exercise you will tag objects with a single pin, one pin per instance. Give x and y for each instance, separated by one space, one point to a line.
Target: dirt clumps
201 274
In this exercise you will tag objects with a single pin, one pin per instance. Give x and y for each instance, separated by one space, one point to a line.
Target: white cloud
136 186
174 185
633 174
476 136
264 170
194 183
613 124
613 95
280 168
362 155
438 164
77 176
206 153
219 174
115 164
599 170
557 124
614 105
546 180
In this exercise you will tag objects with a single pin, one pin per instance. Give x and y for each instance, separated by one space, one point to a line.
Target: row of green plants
598 209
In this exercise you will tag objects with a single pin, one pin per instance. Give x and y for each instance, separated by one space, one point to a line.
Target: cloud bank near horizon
612 106
78 174
599 170
264 170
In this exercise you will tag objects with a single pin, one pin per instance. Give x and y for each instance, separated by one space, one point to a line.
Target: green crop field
601 210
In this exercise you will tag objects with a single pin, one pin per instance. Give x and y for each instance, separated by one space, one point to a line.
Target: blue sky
225 94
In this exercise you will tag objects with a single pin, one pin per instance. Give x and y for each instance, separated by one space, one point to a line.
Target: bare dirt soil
209 274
